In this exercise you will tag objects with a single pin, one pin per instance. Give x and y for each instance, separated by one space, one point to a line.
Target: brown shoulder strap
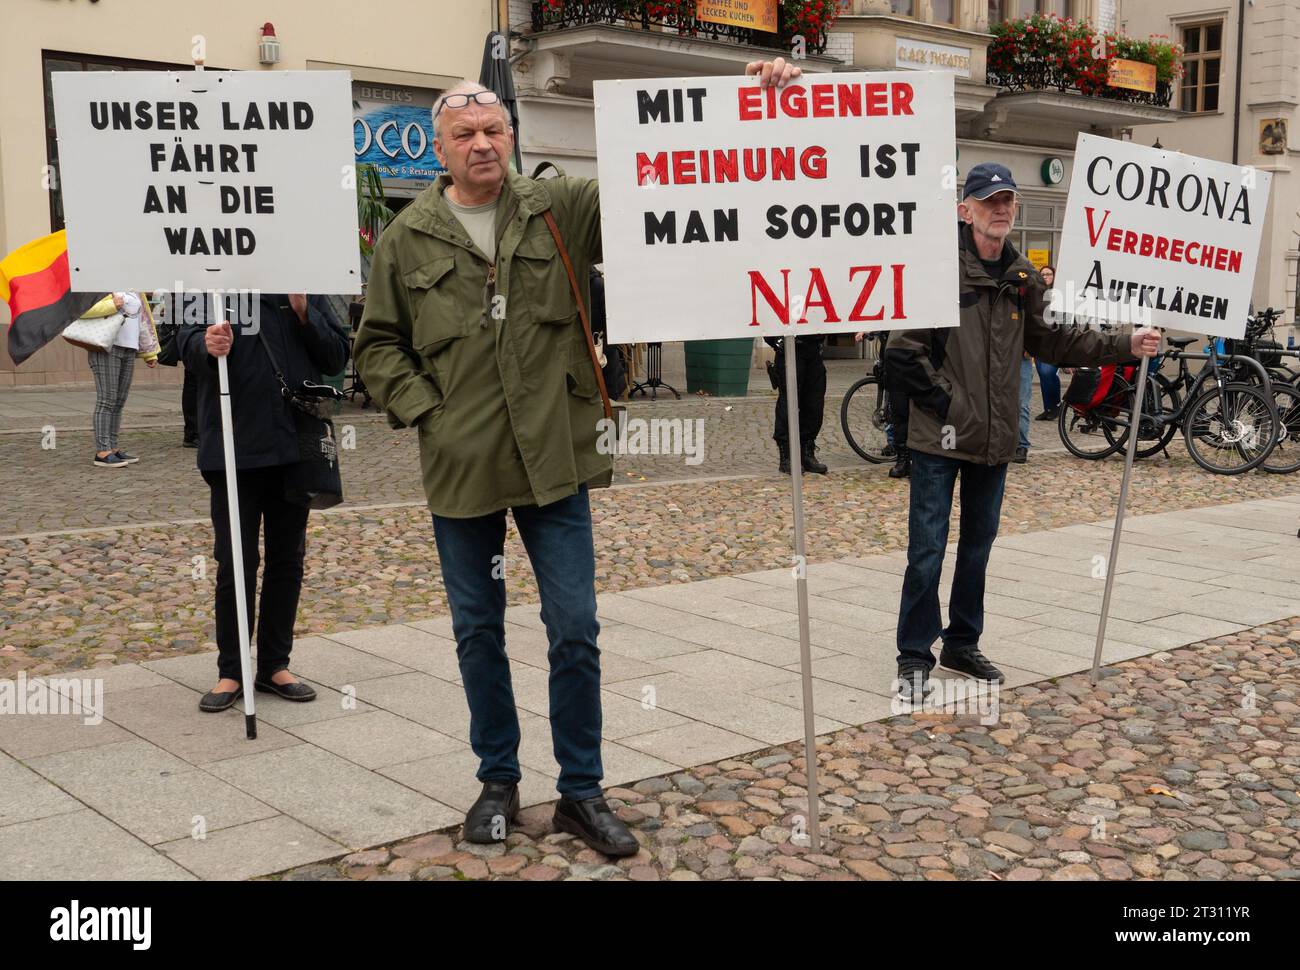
582 311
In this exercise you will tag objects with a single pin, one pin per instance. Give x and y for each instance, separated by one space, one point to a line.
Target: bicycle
865 414
1228 426
1260 345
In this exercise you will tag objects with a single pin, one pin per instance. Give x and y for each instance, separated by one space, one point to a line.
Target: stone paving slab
695 673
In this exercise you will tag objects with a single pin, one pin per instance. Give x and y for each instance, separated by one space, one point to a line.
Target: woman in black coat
306 340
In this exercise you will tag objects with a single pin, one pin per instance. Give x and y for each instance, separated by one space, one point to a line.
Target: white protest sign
730 210
1160 237
208 180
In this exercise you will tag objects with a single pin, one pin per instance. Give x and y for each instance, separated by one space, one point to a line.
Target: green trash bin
719 367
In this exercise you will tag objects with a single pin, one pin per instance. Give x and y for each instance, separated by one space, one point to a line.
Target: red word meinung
730 165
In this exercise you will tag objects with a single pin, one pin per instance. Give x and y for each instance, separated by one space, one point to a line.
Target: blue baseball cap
988 178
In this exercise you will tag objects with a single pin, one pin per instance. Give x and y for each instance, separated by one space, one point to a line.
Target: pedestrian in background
114 370
1049 381
810 376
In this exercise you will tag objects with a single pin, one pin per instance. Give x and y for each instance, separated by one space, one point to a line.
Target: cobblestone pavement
120 594
1177 766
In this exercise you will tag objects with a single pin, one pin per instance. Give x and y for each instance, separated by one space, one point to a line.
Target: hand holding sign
776 72
218 339
1146 342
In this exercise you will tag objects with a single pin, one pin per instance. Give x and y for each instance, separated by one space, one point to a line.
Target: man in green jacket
471 334
964 387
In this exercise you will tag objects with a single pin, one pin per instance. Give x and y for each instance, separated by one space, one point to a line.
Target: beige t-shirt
480 222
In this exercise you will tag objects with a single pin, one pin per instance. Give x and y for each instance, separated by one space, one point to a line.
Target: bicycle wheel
1232 431
1161 398
863 418
1285 456
1084 432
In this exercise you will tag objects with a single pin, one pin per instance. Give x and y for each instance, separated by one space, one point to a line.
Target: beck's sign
731 210
1160 233
209 180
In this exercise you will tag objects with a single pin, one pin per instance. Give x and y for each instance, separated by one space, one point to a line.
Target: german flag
34 282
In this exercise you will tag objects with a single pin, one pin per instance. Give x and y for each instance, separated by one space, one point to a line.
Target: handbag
96 333
314 480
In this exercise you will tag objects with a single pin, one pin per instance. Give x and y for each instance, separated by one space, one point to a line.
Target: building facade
1030 129
401 56
1241 98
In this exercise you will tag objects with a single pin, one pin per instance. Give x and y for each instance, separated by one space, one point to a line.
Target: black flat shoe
297 691
213 702
488 819
593 821
971 663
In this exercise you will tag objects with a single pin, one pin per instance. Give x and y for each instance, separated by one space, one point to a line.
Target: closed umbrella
495 76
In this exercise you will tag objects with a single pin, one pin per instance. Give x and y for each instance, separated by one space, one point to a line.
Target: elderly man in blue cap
964 388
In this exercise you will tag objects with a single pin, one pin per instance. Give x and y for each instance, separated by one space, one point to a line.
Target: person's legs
125 372
286 545
1026 397
103 364
899 410
919 620
1050 384
982 487
471 551
781 430
250 519
190 405
559 543
812 397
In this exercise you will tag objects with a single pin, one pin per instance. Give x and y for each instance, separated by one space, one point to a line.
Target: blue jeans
1050 385
919 619
558 540
1026 398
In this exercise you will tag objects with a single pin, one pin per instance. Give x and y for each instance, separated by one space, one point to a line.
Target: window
943 10
1059 7
902 8
1000 10
1202 60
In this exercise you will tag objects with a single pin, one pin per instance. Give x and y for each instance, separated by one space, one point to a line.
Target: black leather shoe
1022 455
488 819
970 662
808 459
593 821
213 702
297 691
902 463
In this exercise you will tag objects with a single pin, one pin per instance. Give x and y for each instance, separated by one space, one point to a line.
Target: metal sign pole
1134 428
232 510
801 587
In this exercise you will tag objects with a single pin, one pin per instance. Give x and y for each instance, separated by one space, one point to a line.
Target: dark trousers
919 620
810 376
261 505
899 412
1050 384
558 540
190 404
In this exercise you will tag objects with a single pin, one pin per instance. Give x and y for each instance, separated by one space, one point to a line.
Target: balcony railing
558 14
1043 77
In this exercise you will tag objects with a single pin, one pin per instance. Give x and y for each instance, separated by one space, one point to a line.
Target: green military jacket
494 372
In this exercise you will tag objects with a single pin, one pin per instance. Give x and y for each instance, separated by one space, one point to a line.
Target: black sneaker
111 460
129 459
971 663
913 681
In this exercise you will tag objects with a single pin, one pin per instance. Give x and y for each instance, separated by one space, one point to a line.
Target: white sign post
210 181
729 210
1162 238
